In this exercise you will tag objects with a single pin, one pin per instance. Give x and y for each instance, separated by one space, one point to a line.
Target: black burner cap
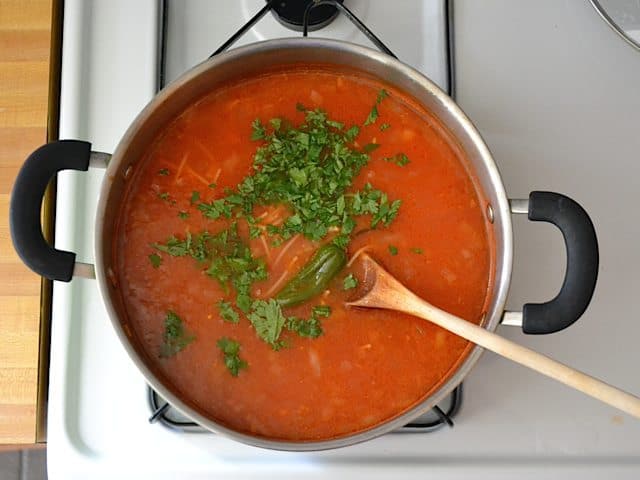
290 13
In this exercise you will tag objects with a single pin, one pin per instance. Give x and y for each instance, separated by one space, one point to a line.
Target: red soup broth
369 365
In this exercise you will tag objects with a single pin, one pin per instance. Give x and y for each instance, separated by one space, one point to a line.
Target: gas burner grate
315 15
291 13
163 413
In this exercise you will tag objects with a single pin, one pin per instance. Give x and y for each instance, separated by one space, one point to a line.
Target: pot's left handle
26 200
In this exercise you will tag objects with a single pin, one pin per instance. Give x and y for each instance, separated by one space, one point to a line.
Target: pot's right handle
582 263
26 200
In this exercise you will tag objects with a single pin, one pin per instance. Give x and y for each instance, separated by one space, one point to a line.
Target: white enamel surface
530 76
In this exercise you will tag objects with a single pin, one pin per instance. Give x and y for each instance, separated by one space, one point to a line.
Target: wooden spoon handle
525 356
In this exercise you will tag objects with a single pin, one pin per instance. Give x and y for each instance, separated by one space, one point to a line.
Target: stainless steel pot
580 239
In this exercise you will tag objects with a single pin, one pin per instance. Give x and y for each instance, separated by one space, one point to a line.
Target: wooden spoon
381 290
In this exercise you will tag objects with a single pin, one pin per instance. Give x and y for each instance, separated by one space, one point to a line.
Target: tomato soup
303 168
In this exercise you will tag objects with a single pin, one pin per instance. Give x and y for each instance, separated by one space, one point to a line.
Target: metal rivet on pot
489 213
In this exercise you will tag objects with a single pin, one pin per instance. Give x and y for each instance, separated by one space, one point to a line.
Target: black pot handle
26 200
582 263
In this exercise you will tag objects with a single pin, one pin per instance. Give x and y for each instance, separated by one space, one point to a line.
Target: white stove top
554 92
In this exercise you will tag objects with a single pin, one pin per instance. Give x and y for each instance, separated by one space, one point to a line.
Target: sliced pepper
314 276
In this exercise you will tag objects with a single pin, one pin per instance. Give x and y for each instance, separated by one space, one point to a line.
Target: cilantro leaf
321 311
393 250
384 126
195 196
349 282
399 159
267 319
163 171
215 209
175 337
418 251
174 246
305 328
183 215
231 351
373 115
155 259
227 312
257 130
370 147
311 328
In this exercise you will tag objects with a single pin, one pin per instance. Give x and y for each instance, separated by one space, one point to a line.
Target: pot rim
500 210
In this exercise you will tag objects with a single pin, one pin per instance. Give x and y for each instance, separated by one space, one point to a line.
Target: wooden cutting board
25 33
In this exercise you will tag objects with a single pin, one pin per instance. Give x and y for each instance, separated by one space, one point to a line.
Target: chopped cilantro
268 320
254 232
212 185
349 282
175 337
308 169
370 147
321 311
257 130
342 241
229 260
419 251
183 215
155 260
400 159
231 351
174 246
215 209
311 328
373 114
227 312
195 196
163 171
384 126
386 213
393 250
163 196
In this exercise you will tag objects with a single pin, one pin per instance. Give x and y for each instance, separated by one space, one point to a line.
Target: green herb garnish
155 259
349 282
175 337
227 312
268 320
308 169
174 246
399 159
370 147
311 328
258 131
231 350
163 171
195 196
419 251
384 126
393 250
183 215
373 115
228 257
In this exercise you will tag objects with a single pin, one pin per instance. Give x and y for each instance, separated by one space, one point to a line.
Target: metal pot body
254 60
